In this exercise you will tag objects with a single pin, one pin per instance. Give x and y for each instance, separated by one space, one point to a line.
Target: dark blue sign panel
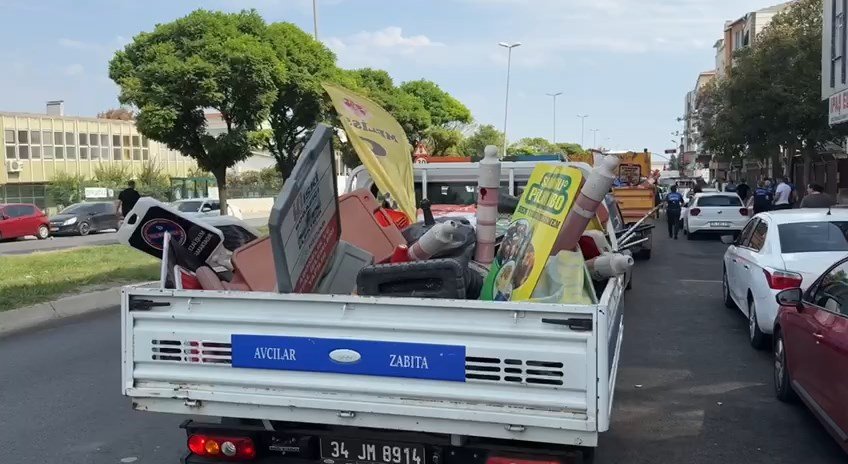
361 357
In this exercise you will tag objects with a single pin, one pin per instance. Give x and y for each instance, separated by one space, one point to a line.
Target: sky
626 63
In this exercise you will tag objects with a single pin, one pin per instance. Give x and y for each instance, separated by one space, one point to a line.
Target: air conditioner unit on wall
14 166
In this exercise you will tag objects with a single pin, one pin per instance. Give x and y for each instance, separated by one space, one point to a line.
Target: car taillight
743 211
694 211
503 460
782 280
225 448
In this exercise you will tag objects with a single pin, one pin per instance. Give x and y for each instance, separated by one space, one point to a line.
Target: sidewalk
75 305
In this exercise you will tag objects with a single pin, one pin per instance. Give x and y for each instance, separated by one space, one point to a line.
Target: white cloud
373 48
72 44
101 47
75 69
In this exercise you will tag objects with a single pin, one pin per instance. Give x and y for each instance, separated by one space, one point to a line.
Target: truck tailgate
501 370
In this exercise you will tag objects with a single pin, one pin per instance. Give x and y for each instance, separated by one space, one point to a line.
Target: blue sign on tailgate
363 357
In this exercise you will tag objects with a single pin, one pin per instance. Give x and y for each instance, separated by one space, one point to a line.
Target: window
93 140
758 237
59 138
126 141
94 153
745 235
449 193
214 206
23 151
83 152
135 142
47 138
145 154
70 139
188 206
20 210
35 137
104 140
60 153
837 42
9 135
83 139
720 200
806 237
832 292
144 141
23 136
48 152
127 154
116 154
35 152
10 152
104 153
71 152
137 154
116 141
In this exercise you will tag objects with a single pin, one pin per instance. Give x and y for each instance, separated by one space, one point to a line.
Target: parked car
811 349
714 212
84 218
22 219
199 207
776 251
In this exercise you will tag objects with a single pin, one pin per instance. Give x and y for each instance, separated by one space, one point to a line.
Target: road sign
671 151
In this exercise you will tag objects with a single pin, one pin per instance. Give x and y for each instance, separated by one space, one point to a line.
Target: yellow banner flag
380 143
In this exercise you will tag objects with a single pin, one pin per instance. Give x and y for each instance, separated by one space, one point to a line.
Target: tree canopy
476 143
206 60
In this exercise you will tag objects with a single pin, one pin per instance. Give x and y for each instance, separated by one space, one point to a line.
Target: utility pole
509 48
594 137
554 95
315 17
582 118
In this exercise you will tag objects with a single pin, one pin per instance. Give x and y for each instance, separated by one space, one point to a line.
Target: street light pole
315 17
554 95
582 127
509 48
594 137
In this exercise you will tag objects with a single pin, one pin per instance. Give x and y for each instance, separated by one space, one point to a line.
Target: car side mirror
791 297
205 209
728 239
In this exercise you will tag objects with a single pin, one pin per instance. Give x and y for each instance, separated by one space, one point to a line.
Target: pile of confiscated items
558 246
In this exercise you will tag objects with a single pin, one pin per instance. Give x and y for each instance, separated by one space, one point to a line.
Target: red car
22 219
811 349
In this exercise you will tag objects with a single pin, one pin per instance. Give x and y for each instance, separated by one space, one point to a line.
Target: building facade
833 68
35 147
742 33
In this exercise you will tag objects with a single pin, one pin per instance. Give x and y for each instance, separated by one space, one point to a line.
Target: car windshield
720 200
449 193
187 206
77 208
807 237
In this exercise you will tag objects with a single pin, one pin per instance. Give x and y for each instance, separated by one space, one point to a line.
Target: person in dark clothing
127 199
762 198
743 190
673 206
816 198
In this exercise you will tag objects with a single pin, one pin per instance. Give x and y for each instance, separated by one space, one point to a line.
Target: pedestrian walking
783 195
743 190
673 206
762 198
127 199
816 198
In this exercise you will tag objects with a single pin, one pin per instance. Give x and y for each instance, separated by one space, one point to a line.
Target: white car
201 207
778 250
714 212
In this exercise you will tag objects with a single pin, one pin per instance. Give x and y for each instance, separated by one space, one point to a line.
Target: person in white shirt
782 195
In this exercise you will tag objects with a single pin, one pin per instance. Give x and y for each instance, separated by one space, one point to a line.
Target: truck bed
531 372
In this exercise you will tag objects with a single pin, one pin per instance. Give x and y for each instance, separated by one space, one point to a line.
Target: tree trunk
221 178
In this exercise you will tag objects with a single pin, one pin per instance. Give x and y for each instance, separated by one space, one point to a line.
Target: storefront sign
838 108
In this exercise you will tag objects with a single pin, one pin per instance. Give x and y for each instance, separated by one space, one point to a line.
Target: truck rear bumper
293 443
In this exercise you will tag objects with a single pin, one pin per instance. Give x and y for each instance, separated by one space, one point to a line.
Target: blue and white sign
361 357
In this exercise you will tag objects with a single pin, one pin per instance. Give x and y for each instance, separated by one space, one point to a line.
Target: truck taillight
504 460
694 211
782 280
223 448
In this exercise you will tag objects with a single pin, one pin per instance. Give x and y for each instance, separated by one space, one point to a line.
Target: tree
300 103
122 114
442 140
673 163
206 60
477 142
444 109
531 146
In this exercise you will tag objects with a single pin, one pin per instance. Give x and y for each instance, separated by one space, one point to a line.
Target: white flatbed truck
338 379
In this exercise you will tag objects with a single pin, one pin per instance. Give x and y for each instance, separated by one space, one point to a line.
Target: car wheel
755 335
84 229
725 286
782 380
43 232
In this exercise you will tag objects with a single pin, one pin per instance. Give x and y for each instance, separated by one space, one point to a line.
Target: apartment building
741 33
834 73
35 147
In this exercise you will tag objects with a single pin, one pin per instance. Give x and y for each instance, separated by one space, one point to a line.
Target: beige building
35 147
742 33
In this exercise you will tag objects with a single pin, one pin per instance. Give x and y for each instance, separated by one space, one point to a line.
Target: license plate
719 224
355 451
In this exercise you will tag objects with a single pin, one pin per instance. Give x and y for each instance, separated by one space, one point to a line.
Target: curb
75 305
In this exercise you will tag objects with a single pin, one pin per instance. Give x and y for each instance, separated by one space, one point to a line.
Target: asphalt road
690 390
31 244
